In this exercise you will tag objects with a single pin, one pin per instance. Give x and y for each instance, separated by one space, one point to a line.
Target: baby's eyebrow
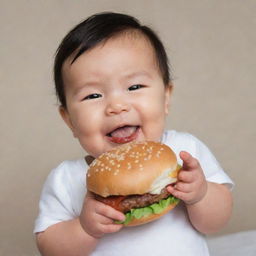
137 74
83 86
127 76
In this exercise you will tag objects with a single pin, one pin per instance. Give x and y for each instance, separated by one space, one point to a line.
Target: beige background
211 45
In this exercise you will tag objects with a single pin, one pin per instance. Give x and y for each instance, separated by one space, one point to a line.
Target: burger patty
139 201
127 203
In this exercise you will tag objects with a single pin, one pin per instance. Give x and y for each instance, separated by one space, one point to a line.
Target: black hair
96 29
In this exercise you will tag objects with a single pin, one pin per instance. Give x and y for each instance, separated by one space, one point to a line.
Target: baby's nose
116 106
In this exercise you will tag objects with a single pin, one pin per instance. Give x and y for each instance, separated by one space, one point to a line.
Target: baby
112 80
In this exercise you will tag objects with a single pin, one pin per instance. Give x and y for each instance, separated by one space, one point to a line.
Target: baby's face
115 94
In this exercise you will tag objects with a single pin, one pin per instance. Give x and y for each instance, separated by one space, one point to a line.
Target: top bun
133 168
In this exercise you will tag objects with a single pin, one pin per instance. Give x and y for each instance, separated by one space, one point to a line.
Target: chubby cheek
88 130
153 118
85 122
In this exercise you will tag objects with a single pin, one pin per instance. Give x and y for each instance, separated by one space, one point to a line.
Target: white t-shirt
64 190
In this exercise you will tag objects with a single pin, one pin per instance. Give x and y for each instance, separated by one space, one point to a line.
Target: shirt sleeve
55 203
211 167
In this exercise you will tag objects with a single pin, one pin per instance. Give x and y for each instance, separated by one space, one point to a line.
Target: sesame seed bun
133 168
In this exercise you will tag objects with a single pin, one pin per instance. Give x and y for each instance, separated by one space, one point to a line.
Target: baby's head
112 80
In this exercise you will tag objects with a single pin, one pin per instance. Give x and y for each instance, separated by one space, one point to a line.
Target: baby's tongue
123 132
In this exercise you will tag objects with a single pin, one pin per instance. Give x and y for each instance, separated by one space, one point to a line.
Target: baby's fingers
189 162
178 194
186 176
111 228
110 213
183 187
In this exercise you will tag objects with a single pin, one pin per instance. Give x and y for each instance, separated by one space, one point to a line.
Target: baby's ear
66 117
168 93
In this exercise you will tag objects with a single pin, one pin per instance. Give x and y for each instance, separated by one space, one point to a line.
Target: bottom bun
151 217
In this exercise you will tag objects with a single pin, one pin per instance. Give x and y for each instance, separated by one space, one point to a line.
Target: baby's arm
79 236
209 205
65 238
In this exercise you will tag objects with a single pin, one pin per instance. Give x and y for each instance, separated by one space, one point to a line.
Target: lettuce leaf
155 208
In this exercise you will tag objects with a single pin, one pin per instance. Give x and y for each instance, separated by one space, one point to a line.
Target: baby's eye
135 87
92 96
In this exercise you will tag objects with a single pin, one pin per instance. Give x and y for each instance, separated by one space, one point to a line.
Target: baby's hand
97 218
191 186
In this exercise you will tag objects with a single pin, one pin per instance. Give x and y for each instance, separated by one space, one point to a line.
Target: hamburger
132 178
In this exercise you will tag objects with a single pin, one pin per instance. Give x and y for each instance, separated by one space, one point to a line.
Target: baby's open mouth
123 134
